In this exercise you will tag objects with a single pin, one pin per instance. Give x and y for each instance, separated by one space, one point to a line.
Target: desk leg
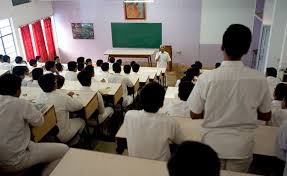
121 145
149 61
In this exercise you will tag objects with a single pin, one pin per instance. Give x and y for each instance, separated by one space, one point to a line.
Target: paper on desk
105 90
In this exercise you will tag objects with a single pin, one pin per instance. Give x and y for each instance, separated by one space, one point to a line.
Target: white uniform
33 83
71 76
272 83
230 97
6 66
64 104
281 145
149 134
17 152
162 59
177 108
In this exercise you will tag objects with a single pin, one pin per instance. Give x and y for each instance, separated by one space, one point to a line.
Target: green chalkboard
136 35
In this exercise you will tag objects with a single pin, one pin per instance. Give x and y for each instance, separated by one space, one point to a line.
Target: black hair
191 73
194 158
198 64
36 73
112 60
136 67
184 89
18 59
72 66
127 69
218 64
60 81
280 91
49 65
90 69
105 67
119 61
81 60
38 58
132 63
85 78
47 82
236 41
56 58
81 67
99 62
6 58
152 97
10 84
271 71
59 66
117 68
33 62
20 71
89 60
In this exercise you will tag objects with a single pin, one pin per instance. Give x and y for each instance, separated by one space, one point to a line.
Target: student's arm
72 104
157 57
178 137
101 107
196 101
129 82
32 115
264 109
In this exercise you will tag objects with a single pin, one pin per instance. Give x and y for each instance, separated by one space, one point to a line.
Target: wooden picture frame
135 11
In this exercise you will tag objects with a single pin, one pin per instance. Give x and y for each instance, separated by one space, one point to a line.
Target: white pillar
283 61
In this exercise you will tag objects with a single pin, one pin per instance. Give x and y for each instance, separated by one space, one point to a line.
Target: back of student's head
112 60
217 65
280 91
127 69
85 78
81 60
47 82
236 41
99 62
90 69
38 58
81 67
18 60
119 61
192 72
271 71
136 68
198 64
10 85
72 66
33 63
60 81
59 67
117 68
152 97
194 158
56 59
105 67
132 63
36 73
20 71
49 65
6 58
89 62
184 89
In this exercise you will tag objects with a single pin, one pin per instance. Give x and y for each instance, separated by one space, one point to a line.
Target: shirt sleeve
178 136
129 82
195 100
265 105
101 108
72 104
32 115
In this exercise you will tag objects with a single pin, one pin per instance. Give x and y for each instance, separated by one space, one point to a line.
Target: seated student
279 114
36 73
19 61
190 75
33 63
64 105
119 61
132 63
85 79
18 152
60 81
50 67
81 60
127 70
217 65
136 68
89 62
105 70
57 59
272 80
98 69
21 72
5 65
126 82
180 107
194 158
198 64
38 58
81 67
59 67
111 61
148 131
71 74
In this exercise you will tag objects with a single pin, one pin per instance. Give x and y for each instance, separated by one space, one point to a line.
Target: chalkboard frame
20 2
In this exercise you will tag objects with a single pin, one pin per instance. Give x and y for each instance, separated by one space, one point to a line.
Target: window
7 43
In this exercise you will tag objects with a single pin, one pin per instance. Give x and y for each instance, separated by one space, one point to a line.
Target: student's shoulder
132 113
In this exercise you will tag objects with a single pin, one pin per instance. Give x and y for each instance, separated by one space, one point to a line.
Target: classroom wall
24 14
180 19
268 12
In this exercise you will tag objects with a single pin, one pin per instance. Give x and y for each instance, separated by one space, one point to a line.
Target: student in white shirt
127 70
279 108
190 75
59 67
162 58
281 149
194 158
229 101
50 67
64 105
272 80
71 74
85 79
89 62
60 81
136 68
19 61
36 73
17 151
98 69
21 72
149 132
33 63
126 82
5 65
111 60
180 107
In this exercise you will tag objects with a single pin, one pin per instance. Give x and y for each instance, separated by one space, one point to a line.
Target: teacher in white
162 58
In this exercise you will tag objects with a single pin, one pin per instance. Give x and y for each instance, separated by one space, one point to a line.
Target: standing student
89 62
229 126
64 105
136 68
148 131
127 70
50 67
272 80
36 73
18 152
162 58
194 158
5 65
71 74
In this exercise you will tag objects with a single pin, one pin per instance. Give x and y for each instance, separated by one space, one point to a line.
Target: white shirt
149 134
272 83
33 83
71 76
101 107
98 70
15 117
177 108
64 104
6 66
164 58
281 145
230 96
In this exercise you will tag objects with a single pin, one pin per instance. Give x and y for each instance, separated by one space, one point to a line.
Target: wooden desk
171 93
2 72
265 136
90 163
143 79
132 53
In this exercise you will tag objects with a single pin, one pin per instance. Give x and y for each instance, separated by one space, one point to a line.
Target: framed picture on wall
19 2
83 30
135 11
